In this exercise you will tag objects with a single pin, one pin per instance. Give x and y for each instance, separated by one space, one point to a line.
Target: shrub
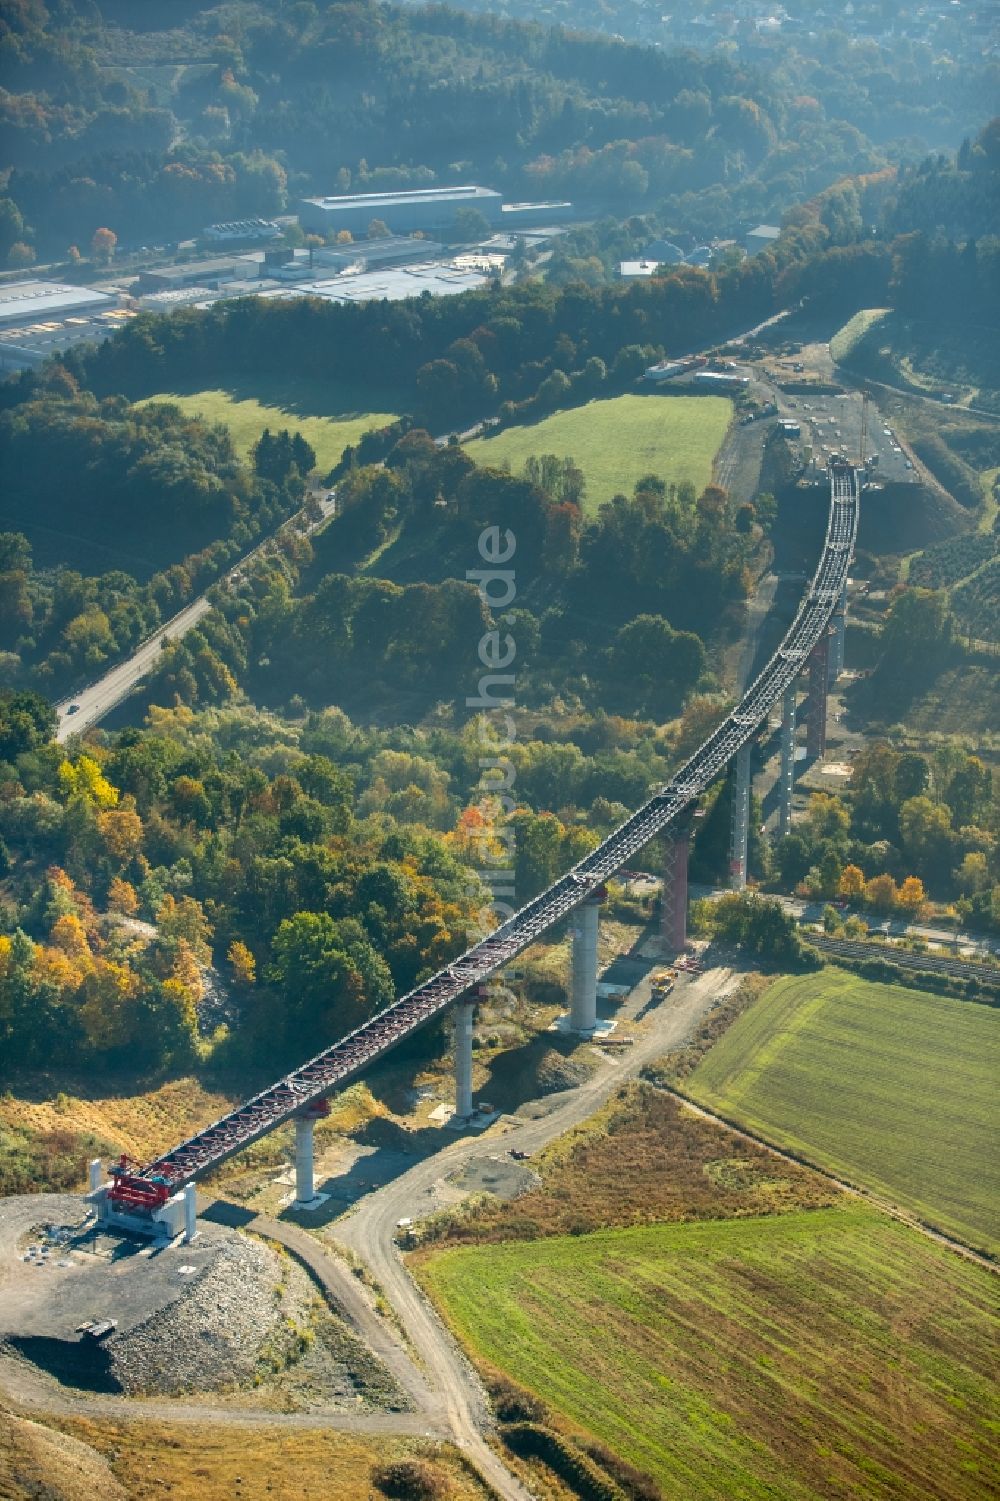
637 1485
411 1480
577 1469
512 1404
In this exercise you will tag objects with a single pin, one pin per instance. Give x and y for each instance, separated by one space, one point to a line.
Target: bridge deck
336 1064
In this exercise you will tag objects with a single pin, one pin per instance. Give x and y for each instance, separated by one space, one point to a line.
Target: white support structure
740 824
583 1003
96 1174
190 1213
305 1188
786 776
465 1012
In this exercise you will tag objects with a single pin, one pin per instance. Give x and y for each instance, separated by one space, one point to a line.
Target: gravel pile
213 1333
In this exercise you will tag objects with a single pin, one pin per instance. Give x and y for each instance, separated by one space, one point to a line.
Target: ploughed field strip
816 1354
892 1089
310 1083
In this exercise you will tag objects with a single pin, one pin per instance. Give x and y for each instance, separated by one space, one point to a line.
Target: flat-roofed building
28 302
517 216
420 208
397 250
761 238
205 273
241 231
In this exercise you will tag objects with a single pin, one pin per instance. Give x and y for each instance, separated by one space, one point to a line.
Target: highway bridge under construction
139 1192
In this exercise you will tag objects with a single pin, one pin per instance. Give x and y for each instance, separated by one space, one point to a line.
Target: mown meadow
892 1088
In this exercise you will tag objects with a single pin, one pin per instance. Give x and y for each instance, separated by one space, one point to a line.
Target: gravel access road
371 1230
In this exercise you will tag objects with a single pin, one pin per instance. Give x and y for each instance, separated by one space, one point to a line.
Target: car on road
73 709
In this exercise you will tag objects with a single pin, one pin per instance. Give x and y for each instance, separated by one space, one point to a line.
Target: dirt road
447 1396
371 1230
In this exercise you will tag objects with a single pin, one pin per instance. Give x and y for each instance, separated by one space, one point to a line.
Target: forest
312 828
275 103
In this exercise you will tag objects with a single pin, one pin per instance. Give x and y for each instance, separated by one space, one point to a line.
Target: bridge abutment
583 1001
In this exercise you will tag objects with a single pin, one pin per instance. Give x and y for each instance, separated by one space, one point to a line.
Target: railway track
960 969
335 1065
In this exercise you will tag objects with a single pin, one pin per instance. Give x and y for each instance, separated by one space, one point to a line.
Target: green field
893 1088
827 1353
618 441
328 416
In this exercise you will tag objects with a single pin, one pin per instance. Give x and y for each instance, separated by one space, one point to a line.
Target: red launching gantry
132 1191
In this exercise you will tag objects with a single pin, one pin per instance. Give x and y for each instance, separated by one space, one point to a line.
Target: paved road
371 1230
98 699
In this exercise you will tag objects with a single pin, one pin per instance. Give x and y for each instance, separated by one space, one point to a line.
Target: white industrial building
27 302
421 208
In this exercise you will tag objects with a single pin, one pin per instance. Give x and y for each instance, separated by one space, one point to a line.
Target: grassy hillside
617 441
893 1088
209 1462
845 340
328 416
831 1353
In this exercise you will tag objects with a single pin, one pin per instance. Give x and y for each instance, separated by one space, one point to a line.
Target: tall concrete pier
583 1002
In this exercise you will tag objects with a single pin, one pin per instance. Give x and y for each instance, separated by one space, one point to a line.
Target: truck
663 982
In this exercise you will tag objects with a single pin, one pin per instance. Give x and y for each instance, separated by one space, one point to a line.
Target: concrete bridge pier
673 908
740 821
465 1011
819 683
305 1122
190 1213
786 776
838 639
583 1001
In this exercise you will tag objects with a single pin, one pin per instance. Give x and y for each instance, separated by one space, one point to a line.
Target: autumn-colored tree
852 883
102 246
911 895
68 935
20 254
185 921
880 893
122 898
243 962
121 830
973 874
54 970
344 237
84 779
186 972
109 1016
